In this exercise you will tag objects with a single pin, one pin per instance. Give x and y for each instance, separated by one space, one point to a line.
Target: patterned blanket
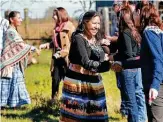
15 50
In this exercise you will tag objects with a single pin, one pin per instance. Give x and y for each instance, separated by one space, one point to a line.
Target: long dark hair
12 14
87 17
127 21
150 16
141 4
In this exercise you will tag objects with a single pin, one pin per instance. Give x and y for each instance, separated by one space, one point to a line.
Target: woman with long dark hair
83 96
131 82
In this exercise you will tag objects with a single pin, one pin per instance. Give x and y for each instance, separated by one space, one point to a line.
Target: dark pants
155 111
58 74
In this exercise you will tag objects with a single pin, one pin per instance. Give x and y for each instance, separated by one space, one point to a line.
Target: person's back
155 34
3 28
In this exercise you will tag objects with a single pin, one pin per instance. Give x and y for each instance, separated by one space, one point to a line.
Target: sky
38 8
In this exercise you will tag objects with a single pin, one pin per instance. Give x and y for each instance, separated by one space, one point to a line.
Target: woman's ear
11 20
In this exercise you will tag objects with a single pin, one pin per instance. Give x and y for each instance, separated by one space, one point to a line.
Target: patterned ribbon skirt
83 100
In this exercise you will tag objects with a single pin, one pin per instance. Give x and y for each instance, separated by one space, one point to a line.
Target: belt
79 69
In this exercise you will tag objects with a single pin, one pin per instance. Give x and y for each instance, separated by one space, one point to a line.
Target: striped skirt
83 100
13 91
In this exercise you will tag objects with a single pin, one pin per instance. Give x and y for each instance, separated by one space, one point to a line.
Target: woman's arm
155 46
117 66
131 63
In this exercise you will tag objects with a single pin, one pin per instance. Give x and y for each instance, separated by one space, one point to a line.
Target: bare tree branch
16 1
91 3
84 4
76 11
3 2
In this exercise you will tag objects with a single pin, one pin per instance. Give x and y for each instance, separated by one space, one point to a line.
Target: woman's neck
12 26
89 38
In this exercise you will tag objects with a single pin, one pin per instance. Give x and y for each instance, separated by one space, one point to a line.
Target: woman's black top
89 56
127 47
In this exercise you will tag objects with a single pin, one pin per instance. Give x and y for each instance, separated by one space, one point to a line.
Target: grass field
38 82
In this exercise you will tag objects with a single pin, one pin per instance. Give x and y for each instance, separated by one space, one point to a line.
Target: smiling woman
83 95
13 62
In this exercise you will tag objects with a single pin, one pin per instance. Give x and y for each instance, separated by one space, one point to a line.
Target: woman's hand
117 66
44 46
38 51
111 38
34 49
108 37
105 42
153 93
106 57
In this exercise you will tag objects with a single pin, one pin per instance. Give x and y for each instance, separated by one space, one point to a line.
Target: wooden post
106 19
26 21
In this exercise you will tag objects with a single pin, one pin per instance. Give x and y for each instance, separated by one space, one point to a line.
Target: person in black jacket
129 49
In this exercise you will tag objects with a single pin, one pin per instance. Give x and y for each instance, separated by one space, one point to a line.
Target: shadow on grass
47 113
41 115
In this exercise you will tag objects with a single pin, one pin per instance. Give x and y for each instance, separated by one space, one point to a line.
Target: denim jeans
133 99
140 97
123 106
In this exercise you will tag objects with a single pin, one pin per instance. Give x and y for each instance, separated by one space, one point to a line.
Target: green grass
38 82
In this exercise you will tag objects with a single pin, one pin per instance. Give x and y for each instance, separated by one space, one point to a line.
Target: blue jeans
140 97
123 107
133 100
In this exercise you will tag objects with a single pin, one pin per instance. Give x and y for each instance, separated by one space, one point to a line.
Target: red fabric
57 30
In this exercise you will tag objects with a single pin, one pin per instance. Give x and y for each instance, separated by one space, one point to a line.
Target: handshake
116 66
34 49
60 53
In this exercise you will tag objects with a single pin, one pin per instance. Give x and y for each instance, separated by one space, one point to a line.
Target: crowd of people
133 50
